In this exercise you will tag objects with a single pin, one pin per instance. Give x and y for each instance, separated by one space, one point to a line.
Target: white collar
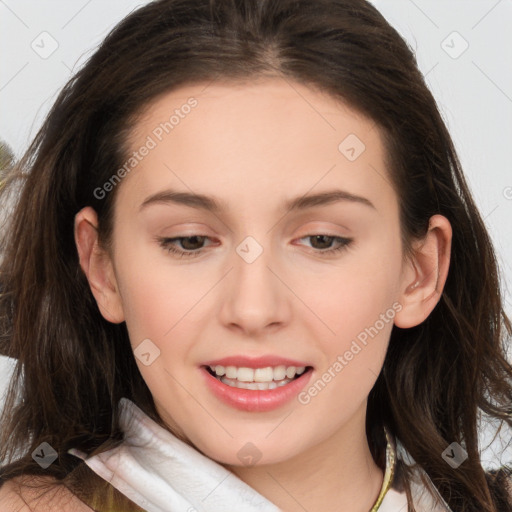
161 473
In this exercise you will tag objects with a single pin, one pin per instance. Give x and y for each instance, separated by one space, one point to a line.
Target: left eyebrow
208 203
198 201
326 198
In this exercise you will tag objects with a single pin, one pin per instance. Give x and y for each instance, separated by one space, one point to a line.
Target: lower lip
256 400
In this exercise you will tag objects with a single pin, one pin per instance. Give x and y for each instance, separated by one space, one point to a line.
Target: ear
97 266
424 275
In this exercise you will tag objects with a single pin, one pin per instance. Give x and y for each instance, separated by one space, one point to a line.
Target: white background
473 90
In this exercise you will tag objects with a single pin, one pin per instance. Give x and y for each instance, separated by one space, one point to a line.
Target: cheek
358 308
357 302
155 293
351 296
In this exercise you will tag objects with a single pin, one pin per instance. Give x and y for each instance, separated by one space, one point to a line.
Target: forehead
261 108
258 139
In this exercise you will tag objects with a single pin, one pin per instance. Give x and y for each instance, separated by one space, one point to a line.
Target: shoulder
38 494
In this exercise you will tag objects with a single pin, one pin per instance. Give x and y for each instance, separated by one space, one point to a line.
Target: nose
255 298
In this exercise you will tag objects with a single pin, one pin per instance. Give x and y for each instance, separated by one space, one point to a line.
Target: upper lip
255 362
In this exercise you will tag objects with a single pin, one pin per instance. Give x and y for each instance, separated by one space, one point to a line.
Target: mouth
257 379
257 385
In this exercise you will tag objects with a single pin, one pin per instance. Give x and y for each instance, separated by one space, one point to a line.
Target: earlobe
424 275
97 266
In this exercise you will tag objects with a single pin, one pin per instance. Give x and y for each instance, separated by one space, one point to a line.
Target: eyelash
167 244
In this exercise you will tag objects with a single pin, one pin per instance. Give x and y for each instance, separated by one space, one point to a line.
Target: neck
337 474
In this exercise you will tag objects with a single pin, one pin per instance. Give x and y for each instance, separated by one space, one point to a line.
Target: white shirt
161 473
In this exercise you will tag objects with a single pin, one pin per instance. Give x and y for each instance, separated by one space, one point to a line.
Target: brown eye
190 245
322 243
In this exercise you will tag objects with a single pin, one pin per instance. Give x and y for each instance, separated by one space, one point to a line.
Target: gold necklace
389 473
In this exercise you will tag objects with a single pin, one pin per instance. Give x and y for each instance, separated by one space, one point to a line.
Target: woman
254 370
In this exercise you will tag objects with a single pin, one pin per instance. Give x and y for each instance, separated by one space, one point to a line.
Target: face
293 256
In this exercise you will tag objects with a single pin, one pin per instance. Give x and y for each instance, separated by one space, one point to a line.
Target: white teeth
262 386
231 372
279 372
290 372
219 370
262 374
258 375
244 374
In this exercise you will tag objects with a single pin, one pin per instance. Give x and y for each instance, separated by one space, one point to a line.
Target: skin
255 146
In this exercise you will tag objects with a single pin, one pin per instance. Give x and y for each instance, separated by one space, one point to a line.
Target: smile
256 378
256 389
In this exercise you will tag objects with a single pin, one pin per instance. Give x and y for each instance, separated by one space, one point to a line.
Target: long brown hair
74 366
